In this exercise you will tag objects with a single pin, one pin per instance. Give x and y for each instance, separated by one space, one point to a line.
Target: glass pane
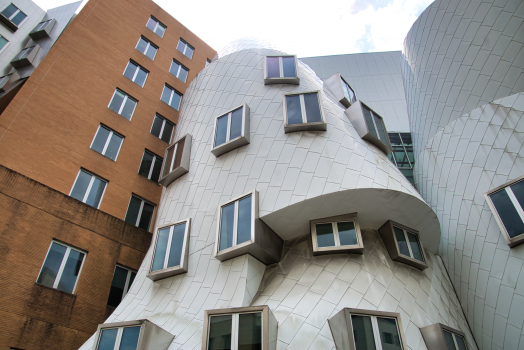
141 76
9 10
325 236
346 90
182 75
81 184
449 340
288 65
250 331
160 30
142 45
518 191
351 93
157 167
189 52
166 94
406 138
179 152
226 226
96 192
18 18
26 52
108 339
3 41
174 68
151 52
401 241
116 102
177 242
130 338
145 166
168 131
236 124
147 214
363 332
369 121
114 146
160 249
389 336
244 220
409 150
51 265
294 113
394 138
401 157
273 69
312 108
220 332
167 163
151 24
221 132
133 209
181 46
347 233
129 107
408 173
100 139
157 126
71 271
415 247
507 213
175 100
117 287
129 73
460 342
381 129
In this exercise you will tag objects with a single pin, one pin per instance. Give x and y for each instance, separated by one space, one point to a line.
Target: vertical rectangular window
156 26
61 267
304 108
122 280
229 127
408 244
150 166
136 73
171 97
170 246
147 47
348 92
179 70
107 142
236 222
139 212
375 125
14 14
88 188
162 128
123 104
122 338
235 332
185 48
3 42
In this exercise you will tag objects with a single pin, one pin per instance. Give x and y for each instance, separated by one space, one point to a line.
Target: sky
302 27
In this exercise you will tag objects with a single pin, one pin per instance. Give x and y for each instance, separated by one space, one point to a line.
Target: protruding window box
26 56
403 244
438 336
342 90
303 111
176 161
12 17
281 70
369 125
139 335
240 231
7 81
42 29
336 234
231 130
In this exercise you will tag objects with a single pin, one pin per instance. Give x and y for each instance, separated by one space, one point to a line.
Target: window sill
317 126
173 175
230 145
165 273
291 80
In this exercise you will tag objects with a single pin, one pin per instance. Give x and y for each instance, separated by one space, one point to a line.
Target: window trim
184 258
164 122
108 140
128 279
185 48
515 241
237 142
304 126
433 336
141 210
173 91
158 23
89 186
149 43
281 79
180 67
126 97
183 168
356 248
390 241
152 168
138 67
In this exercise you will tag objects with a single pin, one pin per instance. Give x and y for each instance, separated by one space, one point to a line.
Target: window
185 48
139 212
107 142
349 93
41 25
253 328
281 70
3 42
25 57
176 160
236 222
162 128
402 155
208 61
231 130
62 267
136 73
42 29
156 26
147 47
303 111
13 13
131 335
341 89
337 234
3 81
171 250
171 97
123 104
119 338
507 205
367 330
122 280
150 166
178 70
438 337
88 188
403 244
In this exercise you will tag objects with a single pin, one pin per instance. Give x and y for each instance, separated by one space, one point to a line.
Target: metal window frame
128 278
387 234
93 176
433 336
183 168
120 332
164 122
239 141
63 263
185 48
173 91
376 330
343 81
126 97
151 336
408 241
139 215
6 44
281 79
180 67
158 23
305 126
111 132
333 220
515 241
149 43
138 67
152 163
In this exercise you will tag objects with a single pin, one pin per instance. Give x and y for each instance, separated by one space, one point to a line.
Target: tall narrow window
61 268
236 222
136 73
150 166
348 92
375 124
231 130
14 14
185 48
139 212
179 70
3 42
403 244
88 188
147 47
281 70
122 280
171 97
107 142
338 233
176 161
156 26
162 128
123 104
408 243
303 111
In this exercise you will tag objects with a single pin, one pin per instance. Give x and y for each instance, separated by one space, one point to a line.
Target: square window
25 57
170 256
303 112
156 26
123 104
150 166
140 212
88 188
176 161
107 142
171 97
281 70
42 29
439 337
507 205
231 130
136 73
179 70
162 128
185 48
62 267
147 47
403 244
341 89
123 278
131 335
337 234
12 16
